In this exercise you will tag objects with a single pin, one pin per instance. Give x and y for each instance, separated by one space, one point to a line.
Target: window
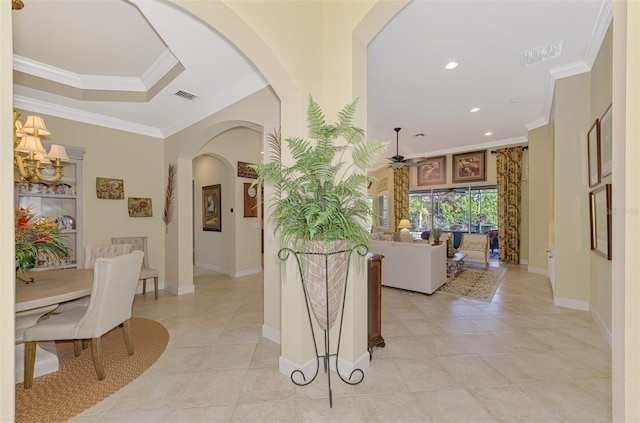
470 209
383 211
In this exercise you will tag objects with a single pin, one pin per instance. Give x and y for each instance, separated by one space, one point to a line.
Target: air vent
183 95
541 54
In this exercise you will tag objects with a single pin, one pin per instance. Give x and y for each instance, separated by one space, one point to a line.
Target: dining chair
140 243
114 285
95 251
91 253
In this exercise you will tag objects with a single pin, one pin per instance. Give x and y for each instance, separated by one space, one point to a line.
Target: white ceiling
117 64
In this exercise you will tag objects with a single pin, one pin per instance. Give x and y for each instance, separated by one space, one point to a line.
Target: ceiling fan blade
412 164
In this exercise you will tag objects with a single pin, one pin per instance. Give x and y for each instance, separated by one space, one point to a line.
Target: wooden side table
374 319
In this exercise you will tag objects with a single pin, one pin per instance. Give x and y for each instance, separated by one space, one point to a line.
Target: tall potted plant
320 204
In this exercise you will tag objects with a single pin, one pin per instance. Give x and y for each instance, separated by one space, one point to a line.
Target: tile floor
447 359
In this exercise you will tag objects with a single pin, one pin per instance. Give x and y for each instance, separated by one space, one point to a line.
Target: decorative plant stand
327 311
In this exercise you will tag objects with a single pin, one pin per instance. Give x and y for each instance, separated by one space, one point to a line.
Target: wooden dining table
48 290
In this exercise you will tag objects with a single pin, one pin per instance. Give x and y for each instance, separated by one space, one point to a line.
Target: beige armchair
140 243
476 247
114 286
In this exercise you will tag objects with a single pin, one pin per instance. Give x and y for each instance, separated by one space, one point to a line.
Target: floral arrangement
37 236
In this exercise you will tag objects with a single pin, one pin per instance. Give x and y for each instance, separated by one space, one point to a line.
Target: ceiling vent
183 95
541 54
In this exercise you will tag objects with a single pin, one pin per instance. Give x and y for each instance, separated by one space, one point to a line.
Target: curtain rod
526 147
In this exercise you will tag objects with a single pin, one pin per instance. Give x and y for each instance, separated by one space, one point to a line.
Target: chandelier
31 161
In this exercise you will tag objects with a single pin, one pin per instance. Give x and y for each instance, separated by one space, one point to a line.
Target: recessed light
420 135
475 109
486 134
515 100
451 65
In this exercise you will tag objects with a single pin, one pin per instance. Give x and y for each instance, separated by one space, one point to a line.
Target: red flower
42 239
23 221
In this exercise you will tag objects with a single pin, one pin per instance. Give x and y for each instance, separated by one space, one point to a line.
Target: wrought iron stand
283 255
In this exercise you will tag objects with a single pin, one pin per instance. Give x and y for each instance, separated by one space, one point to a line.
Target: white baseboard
232 273
571 303
247 272
188 289
271 334
603 328
218 269
538 271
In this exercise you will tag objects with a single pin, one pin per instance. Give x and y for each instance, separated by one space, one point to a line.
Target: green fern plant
321 197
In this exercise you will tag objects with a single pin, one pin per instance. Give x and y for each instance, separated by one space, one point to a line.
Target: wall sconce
30 159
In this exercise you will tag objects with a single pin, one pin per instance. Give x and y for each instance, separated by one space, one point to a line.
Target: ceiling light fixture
29 156
451 65
17 4
475 109
486 134
420 135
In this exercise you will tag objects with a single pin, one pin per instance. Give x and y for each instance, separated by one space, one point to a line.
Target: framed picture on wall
211 208
433 171
600 214
110 188
605 135
593 153
139 207
469 167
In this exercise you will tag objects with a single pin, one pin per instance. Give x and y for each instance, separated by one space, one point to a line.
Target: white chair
91 253
476 247
95 251
114 286
140 243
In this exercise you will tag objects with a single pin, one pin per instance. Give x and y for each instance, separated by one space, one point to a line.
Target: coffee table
455 263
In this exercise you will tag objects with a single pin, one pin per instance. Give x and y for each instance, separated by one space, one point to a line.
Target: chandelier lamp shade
30 159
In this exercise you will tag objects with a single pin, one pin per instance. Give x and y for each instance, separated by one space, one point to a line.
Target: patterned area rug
59 396
477 284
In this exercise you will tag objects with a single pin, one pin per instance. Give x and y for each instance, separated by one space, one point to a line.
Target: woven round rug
59 396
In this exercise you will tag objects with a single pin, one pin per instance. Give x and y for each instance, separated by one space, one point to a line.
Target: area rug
59 396
477 284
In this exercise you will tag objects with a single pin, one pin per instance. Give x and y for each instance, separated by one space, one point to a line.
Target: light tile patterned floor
447 359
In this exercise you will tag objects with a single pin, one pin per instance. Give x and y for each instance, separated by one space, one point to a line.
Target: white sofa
414 266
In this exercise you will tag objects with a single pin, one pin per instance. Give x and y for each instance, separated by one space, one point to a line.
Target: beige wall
261 112
626 219
540 193
572 239
217 164
306 52
600 267
109 153
7 236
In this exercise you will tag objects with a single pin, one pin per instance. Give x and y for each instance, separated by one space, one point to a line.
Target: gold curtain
509 178
400 196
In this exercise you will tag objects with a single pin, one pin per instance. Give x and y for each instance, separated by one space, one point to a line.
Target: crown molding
85 117
163 65
603 20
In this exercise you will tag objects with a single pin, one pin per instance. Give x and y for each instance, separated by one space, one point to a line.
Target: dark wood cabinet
374 302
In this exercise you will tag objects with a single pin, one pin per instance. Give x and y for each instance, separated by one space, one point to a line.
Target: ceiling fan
398 161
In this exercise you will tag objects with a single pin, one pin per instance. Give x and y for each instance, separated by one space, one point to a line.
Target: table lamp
405 235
